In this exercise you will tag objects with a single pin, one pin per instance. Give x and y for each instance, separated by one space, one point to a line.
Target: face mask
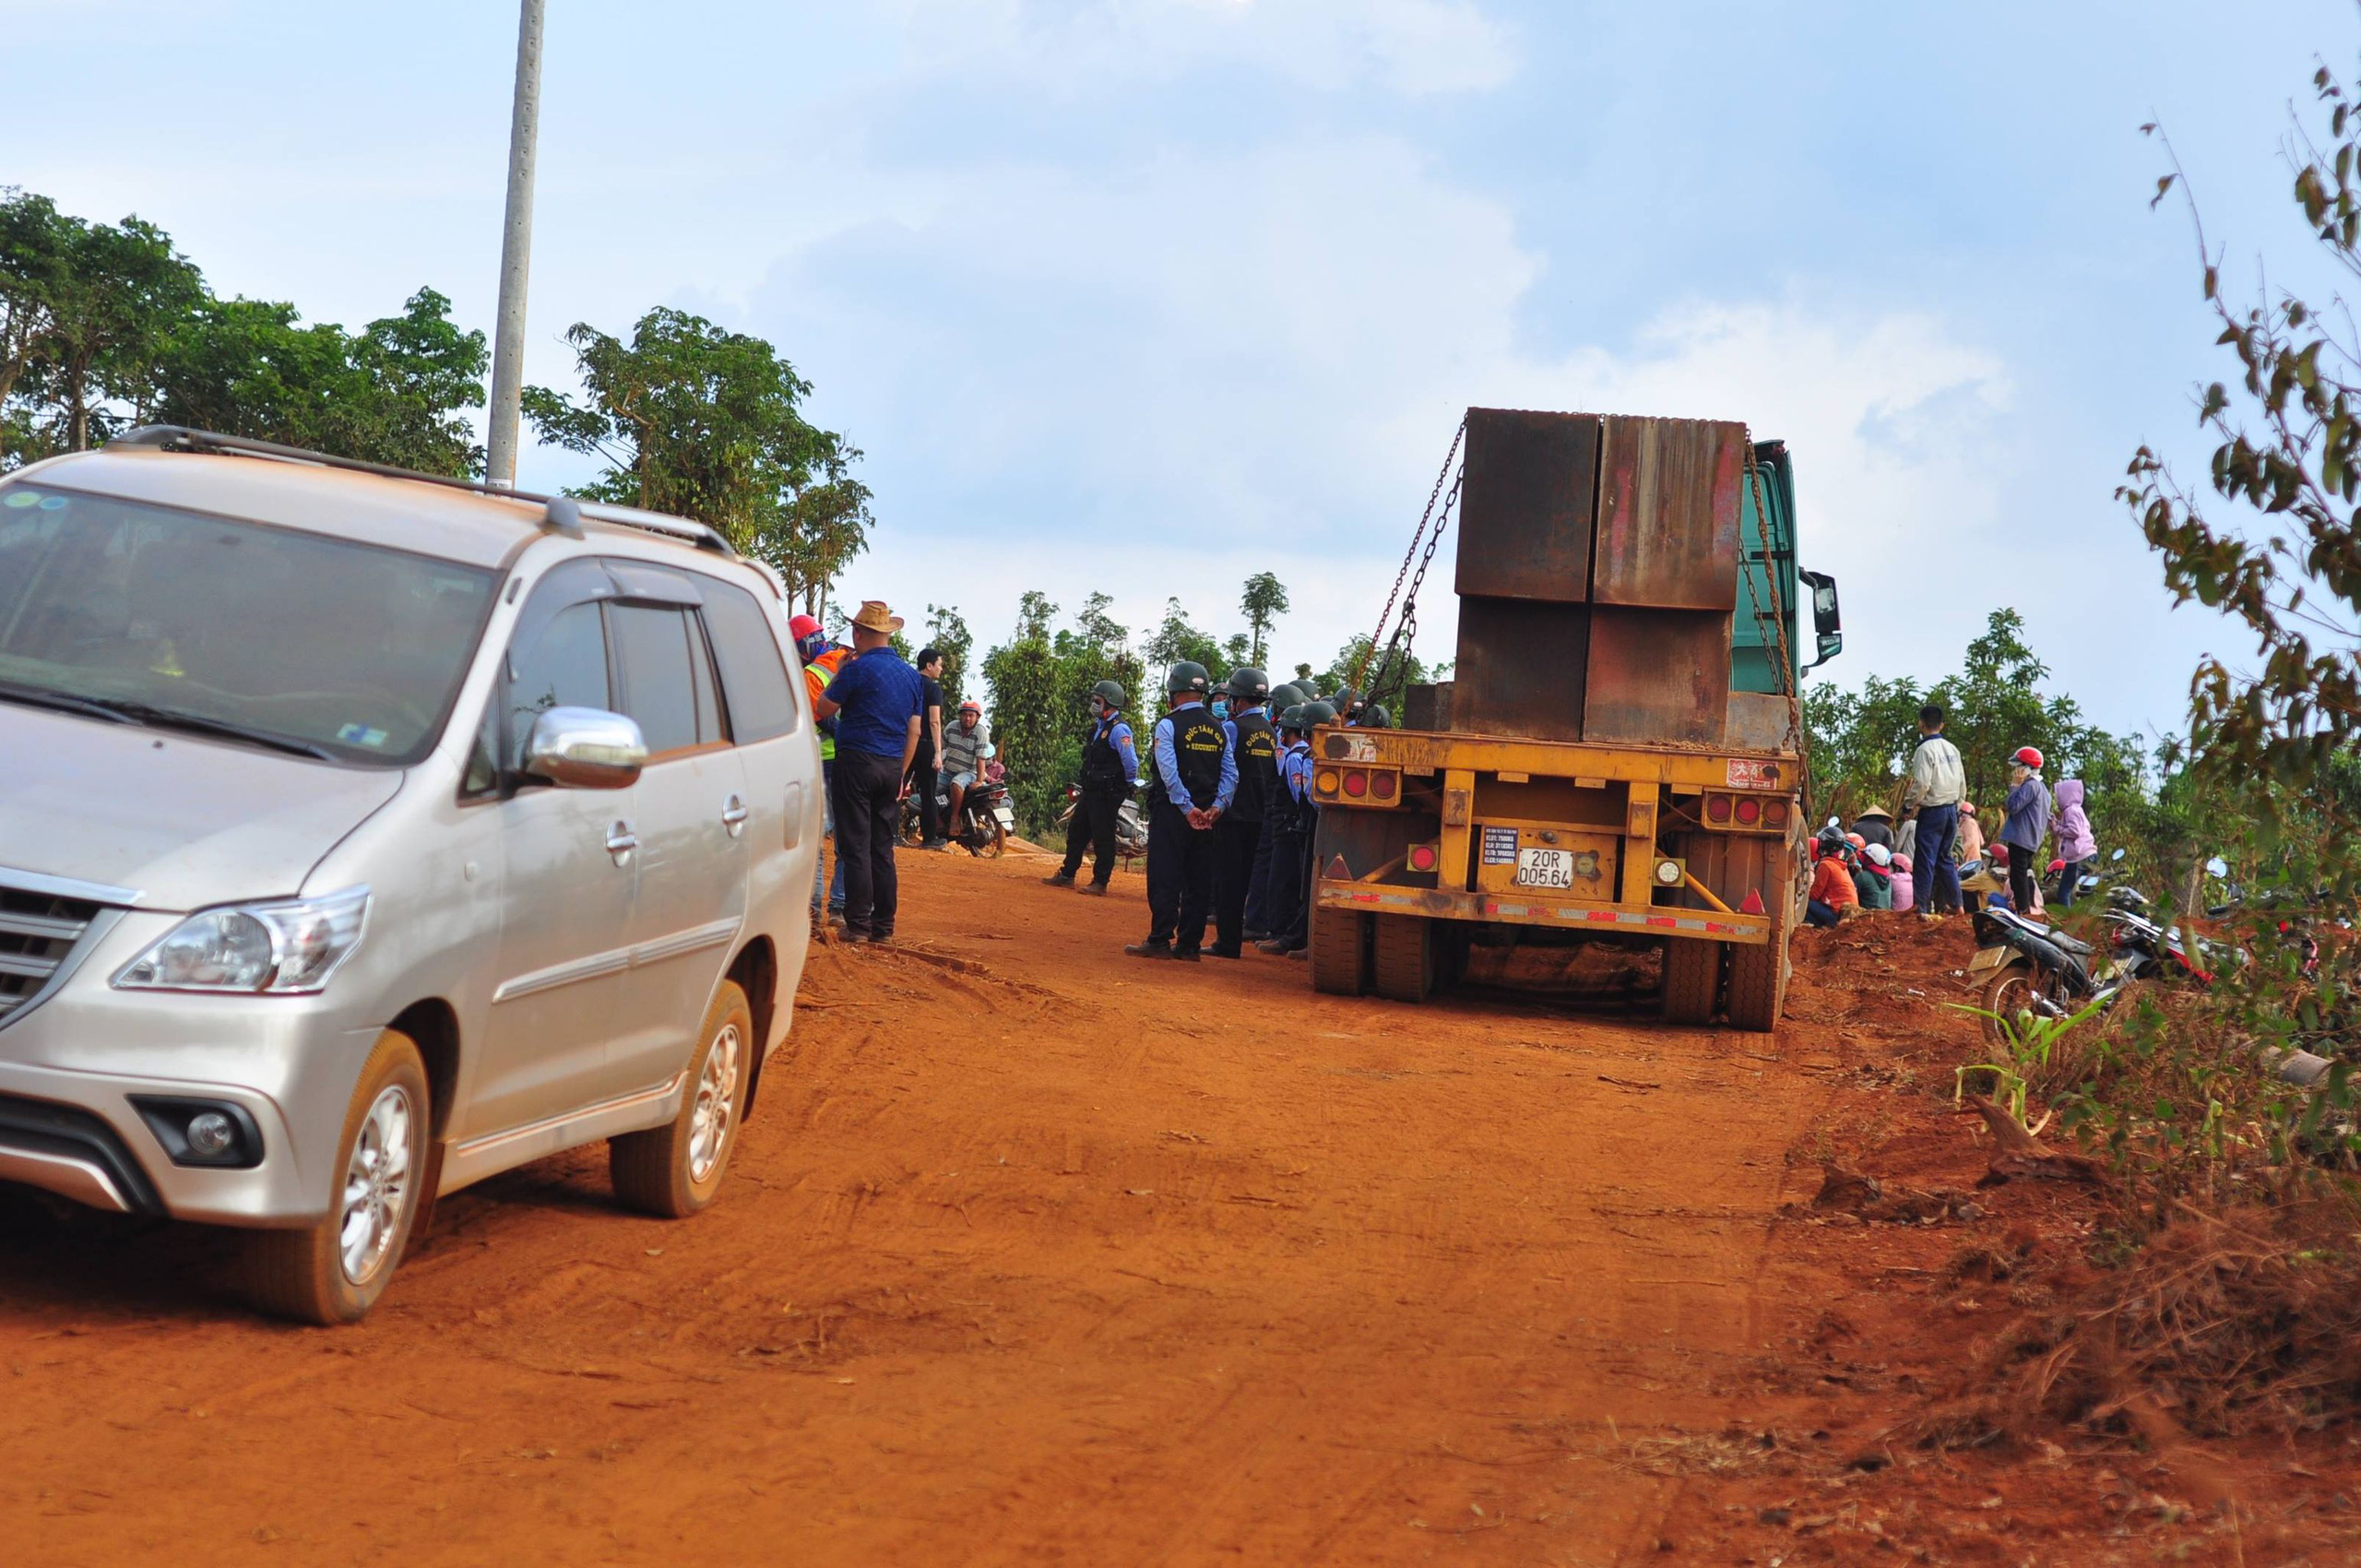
1221 707
1098 708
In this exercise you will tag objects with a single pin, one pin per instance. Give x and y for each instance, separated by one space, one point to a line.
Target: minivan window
565 666
350 649
753 679
659 651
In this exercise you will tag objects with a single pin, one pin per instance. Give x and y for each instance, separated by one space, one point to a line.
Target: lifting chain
1431 527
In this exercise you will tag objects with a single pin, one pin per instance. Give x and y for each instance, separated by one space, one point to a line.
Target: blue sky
1148 295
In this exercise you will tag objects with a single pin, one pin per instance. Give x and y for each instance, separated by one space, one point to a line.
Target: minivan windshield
137 613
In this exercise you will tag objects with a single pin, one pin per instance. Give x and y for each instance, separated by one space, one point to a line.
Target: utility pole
515 253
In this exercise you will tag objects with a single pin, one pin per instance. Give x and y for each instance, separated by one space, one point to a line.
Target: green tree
1040 681
1264 601
822 523
705 423
1861 740
1176 639
36 245
391 393
126 289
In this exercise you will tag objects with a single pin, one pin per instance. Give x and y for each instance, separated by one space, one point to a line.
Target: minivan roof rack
560 514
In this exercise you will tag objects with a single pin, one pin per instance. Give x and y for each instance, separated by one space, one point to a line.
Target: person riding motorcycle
963 747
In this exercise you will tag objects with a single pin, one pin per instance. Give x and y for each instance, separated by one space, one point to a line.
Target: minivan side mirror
586 748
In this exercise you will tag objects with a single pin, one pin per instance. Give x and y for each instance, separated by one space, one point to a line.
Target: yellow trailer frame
1699 847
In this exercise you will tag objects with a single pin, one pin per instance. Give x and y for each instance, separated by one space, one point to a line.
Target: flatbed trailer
1621 757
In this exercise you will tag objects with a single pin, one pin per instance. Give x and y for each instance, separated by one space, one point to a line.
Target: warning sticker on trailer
1752 773
1500 846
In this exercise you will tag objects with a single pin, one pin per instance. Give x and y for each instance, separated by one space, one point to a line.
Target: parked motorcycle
1130 823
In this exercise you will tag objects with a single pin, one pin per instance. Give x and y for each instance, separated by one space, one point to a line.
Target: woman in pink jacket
2076 846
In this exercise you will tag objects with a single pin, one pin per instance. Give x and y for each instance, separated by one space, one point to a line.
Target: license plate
1989 959
1004 816
1545 868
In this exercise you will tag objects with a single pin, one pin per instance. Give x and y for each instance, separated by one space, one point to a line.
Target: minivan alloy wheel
376 1186
717 1102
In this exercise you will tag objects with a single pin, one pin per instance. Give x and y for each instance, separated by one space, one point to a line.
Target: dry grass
2247 1320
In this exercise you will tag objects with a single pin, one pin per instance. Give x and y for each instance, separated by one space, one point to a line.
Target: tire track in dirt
1031 1252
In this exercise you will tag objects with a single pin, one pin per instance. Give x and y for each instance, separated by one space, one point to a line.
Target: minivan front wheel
333 1271
674 1170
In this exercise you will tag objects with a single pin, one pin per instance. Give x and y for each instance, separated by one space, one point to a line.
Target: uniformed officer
1258 886
1256 746
1194 777
1292 841
1109 763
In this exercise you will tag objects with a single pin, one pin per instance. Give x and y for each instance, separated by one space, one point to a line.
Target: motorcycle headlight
288 948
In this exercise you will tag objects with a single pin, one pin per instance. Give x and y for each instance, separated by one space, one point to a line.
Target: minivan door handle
620 841
733 815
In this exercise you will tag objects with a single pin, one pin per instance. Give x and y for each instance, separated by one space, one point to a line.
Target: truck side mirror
1827 621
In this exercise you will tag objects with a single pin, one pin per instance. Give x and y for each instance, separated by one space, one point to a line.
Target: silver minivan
363 835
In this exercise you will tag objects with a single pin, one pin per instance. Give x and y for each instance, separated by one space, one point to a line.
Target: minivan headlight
285 947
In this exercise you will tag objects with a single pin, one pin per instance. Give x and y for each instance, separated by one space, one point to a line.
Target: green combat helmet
1248 686
1315 714
1187 678
1110 693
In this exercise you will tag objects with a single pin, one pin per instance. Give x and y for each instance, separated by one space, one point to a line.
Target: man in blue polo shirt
875 700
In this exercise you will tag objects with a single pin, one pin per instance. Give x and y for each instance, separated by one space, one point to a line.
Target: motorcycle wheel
2008 996
993 840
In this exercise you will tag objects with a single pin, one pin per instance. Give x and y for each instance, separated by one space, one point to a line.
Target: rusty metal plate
1656 676
1668 494
1519 669
1526 504
1427 707
1758 723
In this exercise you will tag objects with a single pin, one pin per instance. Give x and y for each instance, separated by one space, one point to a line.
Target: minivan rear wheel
674 1170
334 1271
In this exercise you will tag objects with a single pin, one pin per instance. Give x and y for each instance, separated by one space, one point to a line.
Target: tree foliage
1263 603
103 325
391 393
1040 704
1861 739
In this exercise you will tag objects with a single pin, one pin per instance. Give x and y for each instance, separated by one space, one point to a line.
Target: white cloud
1077 47
1168 377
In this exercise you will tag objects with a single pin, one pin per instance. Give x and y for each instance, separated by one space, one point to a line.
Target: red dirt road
1031 1253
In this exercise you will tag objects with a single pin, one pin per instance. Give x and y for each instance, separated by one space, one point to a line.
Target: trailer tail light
1383 786
1717 808
1774 813
1355 783
1425 857
1749 810
1326 781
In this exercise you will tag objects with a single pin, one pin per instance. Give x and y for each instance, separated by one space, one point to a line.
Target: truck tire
1339 951
333 1270
1405 958
1759 982
1692 973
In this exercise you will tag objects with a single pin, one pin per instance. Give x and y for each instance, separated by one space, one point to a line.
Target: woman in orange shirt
1832 890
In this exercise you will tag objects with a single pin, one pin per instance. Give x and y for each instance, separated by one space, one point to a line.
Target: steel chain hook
1449 467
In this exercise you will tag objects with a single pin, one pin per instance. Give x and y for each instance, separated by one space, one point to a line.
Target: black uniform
1106 785
1293 823
1240 833
1180 858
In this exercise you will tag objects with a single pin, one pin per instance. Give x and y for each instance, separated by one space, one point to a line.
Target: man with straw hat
875 700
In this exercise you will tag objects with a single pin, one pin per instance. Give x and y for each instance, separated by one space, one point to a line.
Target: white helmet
1881 855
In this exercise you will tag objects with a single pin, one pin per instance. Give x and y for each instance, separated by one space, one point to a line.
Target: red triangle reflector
1753 904
1338 871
